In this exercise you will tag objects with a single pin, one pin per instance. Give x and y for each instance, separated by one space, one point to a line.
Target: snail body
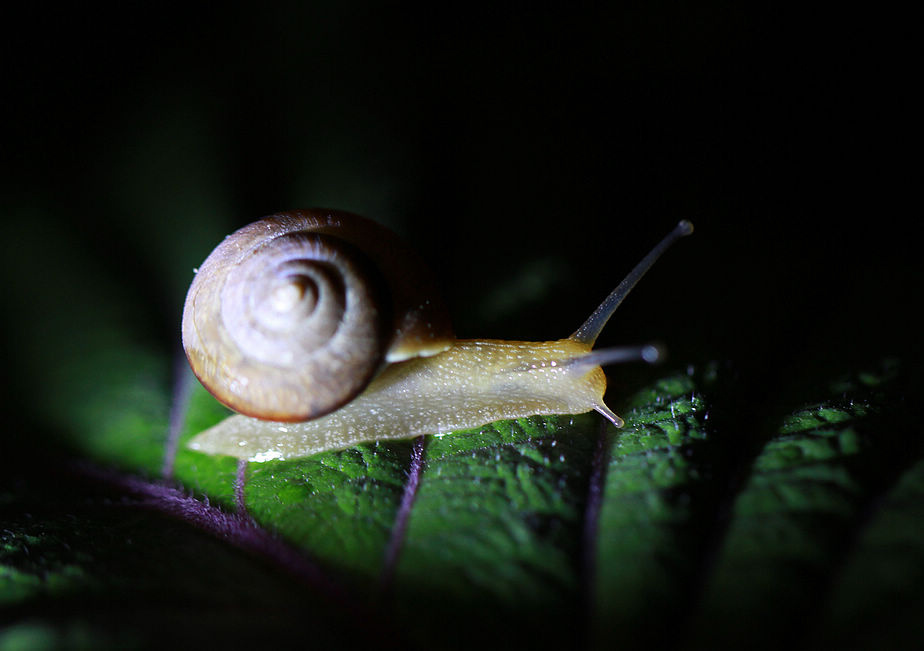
427 395
420 380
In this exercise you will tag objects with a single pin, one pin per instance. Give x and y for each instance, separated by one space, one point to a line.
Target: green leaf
795 522
877 599
644 540
339 506
85 361
90 568
810 493
496 529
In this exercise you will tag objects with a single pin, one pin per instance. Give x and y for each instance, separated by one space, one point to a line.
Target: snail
324 330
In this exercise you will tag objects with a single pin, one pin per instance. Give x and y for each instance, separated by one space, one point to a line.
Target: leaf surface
798 522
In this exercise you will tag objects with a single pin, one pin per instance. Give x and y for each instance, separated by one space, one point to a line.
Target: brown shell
292 316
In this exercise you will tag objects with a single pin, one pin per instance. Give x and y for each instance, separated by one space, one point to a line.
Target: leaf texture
797 524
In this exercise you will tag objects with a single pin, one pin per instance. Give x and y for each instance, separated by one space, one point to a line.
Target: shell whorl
291 316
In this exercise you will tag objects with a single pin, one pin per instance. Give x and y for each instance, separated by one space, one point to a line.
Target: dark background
532 154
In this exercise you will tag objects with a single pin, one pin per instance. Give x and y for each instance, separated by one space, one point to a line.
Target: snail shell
292 316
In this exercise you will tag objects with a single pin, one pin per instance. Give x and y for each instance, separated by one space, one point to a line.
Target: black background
508 144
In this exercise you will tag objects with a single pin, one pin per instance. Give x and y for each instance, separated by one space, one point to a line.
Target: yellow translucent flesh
471 384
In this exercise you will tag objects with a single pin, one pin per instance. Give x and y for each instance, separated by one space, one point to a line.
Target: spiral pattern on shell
291 316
